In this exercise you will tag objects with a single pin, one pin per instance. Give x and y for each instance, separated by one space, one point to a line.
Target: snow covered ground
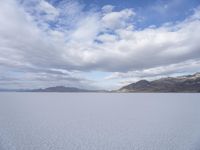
94 121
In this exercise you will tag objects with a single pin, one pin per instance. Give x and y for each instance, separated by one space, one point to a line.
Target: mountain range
181 84
63 89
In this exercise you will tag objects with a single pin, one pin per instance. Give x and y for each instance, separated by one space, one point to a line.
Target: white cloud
79 41
87 30
121 79
114 20
50 12
107 38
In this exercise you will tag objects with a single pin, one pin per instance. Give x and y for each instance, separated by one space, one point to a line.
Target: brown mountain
190 83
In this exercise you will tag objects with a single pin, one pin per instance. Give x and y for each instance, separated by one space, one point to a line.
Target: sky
96 44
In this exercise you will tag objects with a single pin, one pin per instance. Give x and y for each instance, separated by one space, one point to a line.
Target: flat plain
97 121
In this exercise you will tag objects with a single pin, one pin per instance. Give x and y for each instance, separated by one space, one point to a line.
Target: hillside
190 83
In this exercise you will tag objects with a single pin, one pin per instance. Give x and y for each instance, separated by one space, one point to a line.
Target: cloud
179 68
108 8
49 11
114 20
38 36
120 79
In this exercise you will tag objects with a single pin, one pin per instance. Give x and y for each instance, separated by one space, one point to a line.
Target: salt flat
94 121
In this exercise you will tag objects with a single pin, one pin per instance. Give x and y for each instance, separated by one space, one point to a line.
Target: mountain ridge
180 84
59 89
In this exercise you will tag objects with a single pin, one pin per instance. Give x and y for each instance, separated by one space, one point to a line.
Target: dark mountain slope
190 83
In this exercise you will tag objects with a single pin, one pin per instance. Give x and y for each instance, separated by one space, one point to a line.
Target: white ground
50 121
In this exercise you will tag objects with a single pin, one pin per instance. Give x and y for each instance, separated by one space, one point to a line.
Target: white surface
51 121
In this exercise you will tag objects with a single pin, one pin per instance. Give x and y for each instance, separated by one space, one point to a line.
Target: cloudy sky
96 44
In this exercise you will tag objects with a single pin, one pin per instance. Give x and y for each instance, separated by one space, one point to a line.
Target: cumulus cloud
38 38
115 20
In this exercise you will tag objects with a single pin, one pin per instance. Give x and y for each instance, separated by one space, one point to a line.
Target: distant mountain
60 89
182 84
190 83
52 89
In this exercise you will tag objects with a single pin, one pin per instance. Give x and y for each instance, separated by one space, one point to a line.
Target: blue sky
153 12
96 43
